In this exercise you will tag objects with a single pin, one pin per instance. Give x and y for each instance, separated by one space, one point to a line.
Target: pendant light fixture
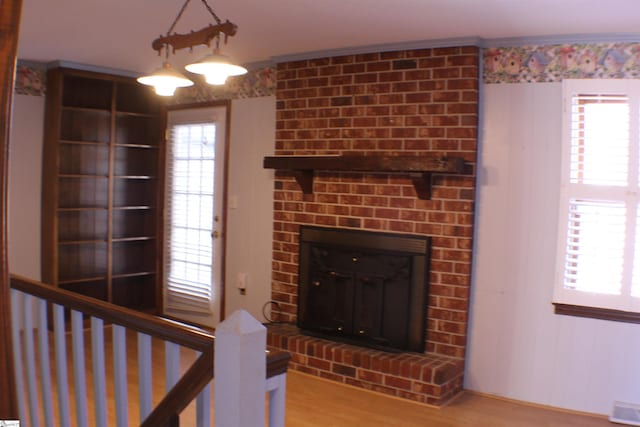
165 80
215 67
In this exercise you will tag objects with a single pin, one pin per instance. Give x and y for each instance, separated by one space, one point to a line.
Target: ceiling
117 34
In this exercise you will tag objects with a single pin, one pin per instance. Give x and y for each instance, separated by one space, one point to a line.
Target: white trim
568 191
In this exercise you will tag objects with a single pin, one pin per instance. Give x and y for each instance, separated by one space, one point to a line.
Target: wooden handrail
277 363
168 330
183 392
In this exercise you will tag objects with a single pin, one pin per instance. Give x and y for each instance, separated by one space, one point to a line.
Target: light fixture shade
216 68
165 80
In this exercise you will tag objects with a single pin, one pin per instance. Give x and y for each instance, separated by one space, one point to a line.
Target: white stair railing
243 377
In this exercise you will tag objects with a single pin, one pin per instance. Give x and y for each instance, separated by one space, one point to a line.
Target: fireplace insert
365 288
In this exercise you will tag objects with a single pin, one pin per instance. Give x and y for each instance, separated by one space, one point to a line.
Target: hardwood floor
315 402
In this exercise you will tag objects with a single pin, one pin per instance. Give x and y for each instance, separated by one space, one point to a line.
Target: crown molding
387 47
92 68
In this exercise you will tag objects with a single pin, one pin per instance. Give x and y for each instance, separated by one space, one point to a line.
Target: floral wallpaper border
527 64
256 83
31 79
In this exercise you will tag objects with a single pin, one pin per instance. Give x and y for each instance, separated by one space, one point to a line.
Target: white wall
25 183
250 213
517 347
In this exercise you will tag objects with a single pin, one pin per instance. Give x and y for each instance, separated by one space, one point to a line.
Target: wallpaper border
553 63
31 79
256 83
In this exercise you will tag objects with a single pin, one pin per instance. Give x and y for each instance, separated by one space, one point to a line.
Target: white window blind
599 139
189 222
595 246
598 263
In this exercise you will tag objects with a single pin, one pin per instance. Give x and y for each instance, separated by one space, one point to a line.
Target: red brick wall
397 103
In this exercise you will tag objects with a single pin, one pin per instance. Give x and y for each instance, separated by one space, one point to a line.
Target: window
599 230
191 265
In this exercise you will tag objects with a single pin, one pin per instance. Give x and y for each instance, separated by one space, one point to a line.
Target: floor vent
625 413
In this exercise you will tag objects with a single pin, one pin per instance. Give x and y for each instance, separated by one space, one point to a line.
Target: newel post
240 371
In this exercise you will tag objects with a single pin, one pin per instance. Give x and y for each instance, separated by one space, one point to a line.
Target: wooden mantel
419 167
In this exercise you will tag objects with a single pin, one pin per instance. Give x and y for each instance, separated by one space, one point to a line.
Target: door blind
189 224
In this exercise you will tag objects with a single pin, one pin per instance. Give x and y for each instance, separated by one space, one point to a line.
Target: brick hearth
425 378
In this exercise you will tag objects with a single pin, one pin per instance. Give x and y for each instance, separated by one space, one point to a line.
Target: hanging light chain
218 20
175 21
184 6
173 25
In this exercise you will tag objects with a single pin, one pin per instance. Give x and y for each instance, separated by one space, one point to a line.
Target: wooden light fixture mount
215 67
195 38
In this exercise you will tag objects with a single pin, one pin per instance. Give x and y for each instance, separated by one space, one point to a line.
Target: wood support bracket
422 184
419 168
305 180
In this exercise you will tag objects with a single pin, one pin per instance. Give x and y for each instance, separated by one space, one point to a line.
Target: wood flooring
312 401
316 402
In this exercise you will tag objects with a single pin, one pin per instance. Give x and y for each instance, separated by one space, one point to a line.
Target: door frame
225 186
9 27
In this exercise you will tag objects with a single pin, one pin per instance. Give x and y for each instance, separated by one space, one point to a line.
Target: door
194 208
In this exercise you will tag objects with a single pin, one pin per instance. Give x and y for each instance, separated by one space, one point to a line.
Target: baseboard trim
536 405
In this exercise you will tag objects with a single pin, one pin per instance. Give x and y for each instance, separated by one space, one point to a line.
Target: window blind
600 139
189 223
595 246
598 261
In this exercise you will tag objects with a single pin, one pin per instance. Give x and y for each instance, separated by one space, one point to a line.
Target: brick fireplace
414 102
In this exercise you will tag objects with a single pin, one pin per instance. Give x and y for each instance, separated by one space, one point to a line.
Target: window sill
596 313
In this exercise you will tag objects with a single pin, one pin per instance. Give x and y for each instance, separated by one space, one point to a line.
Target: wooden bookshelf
101 188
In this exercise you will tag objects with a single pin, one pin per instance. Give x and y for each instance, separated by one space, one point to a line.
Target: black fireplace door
364 287
361 297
